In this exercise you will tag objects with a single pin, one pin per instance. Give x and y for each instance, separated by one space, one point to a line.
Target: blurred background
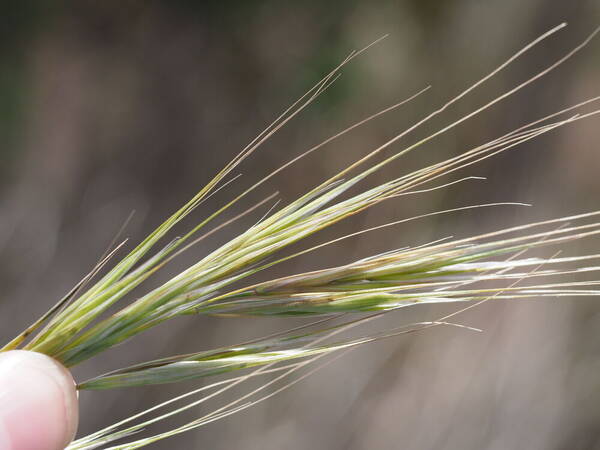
109 107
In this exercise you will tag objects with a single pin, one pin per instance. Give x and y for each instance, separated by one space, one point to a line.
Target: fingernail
38 402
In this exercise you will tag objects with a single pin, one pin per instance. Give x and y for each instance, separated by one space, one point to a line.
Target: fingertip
38 402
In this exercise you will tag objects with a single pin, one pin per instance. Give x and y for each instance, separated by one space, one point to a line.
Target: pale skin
38 402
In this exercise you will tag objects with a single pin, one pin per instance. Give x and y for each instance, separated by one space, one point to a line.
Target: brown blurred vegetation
106 107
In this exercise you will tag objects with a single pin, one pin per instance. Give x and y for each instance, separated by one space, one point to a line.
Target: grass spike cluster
473 270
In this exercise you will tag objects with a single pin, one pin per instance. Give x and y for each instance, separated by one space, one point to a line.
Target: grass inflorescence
472 270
